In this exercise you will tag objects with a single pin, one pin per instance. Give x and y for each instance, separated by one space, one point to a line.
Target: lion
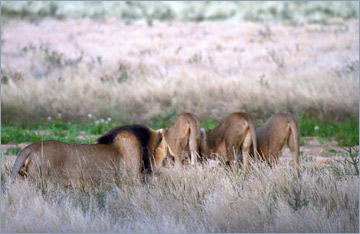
182 138
134 148
271 137
235 132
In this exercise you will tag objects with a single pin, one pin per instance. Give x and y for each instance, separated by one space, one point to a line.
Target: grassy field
205 198
137 72
78 67
71 71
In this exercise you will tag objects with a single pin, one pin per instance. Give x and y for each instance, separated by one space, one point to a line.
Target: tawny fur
271 137
70 163
235 132
183 138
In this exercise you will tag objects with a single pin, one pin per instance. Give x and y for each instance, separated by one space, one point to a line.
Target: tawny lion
183 138
130 147
272 136
235 132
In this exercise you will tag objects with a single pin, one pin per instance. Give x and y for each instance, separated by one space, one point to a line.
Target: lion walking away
133 148
271 137
236 132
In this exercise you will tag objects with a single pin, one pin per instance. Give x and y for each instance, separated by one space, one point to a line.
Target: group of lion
139 149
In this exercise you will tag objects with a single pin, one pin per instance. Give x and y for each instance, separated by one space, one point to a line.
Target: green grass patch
210 123
15 134
302 141
13 151
54 131
346 133
332 151
57 129
160 121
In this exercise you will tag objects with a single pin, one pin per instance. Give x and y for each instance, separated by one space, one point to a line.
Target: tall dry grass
205 198
135 72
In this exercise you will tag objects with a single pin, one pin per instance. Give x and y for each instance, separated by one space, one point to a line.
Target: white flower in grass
109 119
97 122
102 120
316 128
89 115
49 118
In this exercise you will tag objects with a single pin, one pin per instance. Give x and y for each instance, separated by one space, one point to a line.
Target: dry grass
131 71
135 72
208 198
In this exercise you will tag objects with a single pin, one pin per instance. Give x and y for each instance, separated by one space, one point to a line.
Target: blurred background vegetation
311 12
18 127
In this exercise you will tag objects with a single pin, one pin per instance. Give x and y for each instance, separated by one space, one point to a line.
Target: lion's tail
193 142
295 132
19 162
253 135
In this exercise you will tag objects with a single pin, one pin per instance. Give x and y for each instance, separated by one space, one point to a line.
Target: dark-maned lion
183 138
272 136
131 147
235 132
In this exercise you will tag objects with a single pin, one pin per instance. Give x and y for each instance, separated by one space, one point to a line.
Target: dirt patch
314 151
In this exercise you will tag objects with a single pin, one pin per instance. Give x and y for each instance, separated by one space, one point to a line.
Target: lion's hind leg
131 153
232 148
